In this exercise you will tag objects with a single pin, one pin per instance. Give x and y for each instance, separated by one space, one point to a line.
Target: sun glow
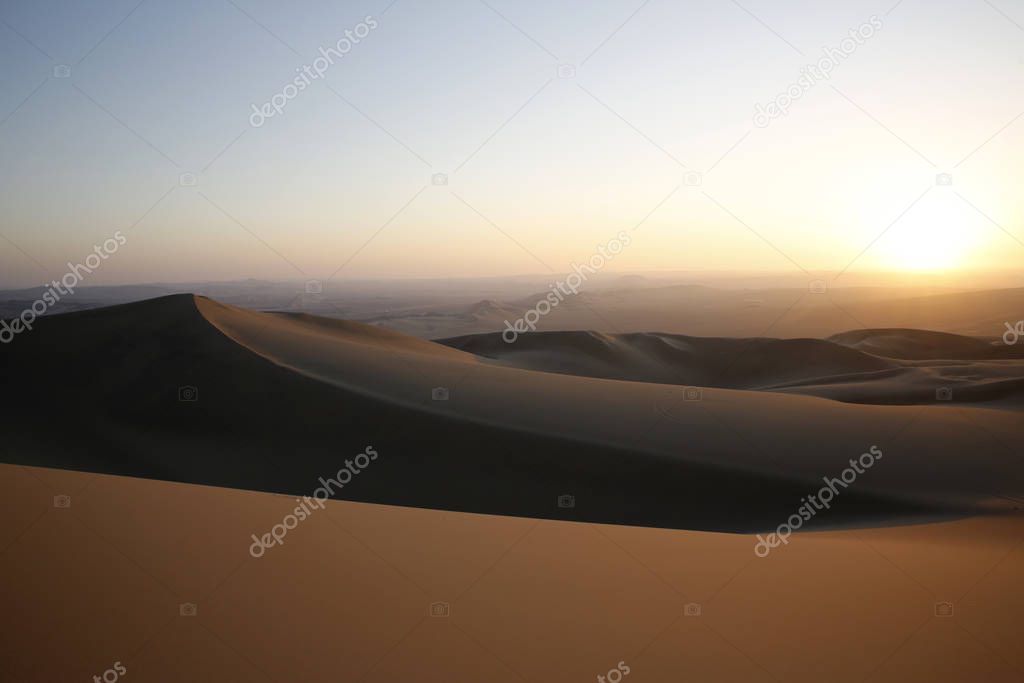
936 235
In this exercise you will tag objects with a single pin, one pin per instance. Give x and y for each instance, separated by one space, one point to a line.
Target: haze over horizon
543 162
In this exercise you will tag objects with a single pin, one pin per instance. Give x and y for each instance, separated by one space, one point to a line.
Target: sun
935 235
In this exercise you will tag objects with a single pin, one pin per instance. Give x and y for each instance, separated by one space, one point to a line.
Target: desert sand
187 426
349 595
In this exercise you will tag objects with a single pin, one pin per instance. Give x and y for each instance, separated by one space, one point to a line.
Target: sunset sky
543 164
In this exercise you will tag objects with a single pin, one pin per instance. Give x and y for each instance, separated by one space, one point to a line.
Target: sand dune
861 366
347 597
924 345
283 399
676 359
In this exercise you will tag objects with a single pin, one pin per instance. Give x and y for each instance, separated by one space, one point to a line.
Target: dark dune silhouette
282 400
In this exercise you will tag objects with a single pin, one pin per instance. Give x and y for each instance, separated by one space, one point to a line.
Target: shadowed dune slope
282 400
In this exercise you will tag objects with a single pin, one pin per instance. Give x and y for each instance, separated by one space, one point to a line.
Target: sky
471 138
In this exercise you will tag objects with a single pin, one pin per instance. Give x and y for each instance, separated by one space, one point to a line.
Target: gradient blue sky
162 88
